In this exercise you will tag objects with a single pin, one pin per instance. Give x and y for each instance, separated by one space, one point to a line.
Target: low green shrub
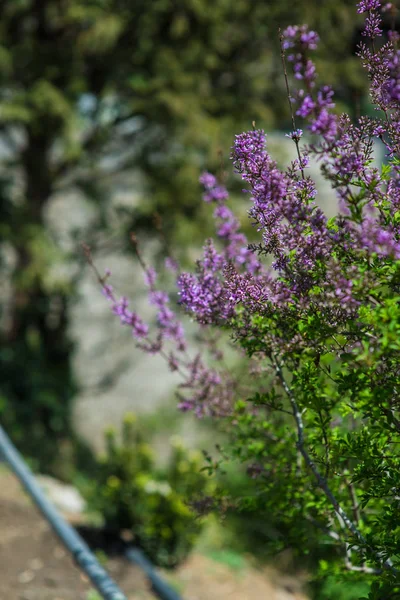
132 493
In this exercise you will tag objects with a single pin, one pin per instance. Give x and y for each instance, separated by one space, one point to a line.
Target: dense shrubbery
132 493
315 310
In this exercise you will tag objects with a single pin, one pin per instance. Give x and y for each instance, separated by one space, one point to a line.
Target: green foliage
133 494
232 559
93 595
347 398
335 587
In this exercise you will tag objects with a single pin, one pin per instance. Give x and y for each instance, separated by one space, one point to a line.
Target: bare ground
35 566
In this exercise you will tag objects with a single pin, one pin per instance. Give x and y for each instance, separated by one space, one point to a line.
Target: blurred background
109 112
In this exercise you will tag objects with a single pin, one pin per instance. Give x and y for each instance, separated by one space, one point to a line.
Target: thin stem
356 515
322 482
289 97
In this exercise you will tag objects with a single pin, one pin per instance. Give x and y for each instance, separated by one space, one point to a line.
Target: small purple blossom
367 5
377 239
300 35
223 212
171 264
307 107
107 291
216 194
391 87
208 180
325 125
127 317
150 277
379 130
158 298
373 26
295 135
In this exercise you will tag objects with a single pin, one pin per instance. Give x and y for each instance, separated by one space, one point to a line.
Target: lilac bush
313 310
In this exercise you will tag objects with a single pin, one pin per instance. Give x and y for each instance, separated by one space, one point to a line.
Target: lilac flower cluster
313 107
373 20
383 66
376 239
367 5
203 293
316 266
127 317
169 325
214 192
293 227
201 389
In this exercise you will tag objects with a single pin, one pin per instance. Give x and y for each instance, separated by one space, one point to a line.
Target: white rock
65 497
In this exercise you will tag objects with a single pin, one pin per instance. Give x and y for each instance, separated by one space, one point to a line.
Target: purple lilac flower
158 298
391 88
214 191
367 5
223 212
208 180
204 296
373 25
171 264
376 239
170 326
150 277
294 34
324 125
203 392
236 245
314 108
127 317
295 135
107 291
307 107
282 207
213 261
216 194
249 153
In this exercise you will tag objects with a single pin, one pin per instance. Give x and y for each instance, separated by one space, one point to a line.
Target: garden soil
34 565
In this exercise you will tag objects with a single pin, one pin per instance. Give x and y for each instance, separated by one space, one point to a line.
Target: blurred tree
89 88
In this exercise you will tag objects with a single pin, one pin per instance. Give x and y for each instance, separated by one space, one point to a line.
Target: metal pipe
160 587
67 534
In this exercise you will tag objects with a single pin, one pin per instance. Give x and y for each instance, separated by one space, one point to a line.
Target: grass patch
231 559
